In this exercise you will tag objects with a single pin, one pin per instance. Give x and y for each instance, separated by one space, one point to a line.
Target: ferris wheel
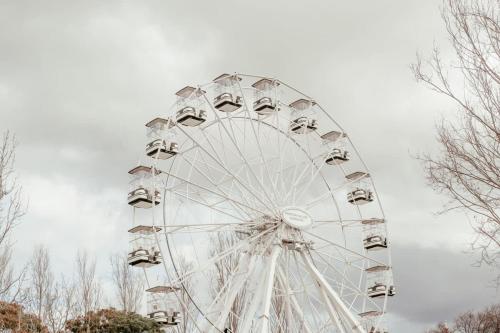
253 212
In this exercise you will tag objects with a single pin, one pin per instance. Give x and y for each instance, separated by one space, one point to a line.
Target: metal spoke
332 295
224 196
223 193
345 248
241 154
226 170
237 247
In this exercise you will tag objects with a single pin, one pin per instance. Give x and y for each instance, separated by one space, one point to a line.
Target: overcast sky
78 80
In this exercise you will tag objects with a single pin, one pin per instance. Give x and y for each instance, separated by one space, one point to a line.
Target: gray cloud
435 285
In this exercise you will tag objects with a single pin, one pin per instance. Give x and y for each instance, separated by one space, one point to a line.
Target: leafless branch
467 169
12 208
128 283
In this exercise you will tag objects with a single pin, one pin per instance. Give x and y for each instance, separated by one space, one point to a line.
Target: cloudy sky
78 79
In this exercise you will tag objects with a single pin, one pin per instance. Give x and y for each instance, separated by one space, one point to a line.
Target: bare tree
11 211
53 302
41 281
486 321
88 288
60 305
468 167
224 271
441 328
187 291
128 283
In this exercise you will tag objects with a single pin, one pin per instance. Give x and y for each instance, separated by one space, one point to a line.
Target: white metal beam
292 300
246 324
355 326
268 292
245 268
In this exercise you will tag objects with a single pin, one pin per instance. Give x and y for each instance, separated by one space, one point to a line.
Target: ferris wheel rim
219 120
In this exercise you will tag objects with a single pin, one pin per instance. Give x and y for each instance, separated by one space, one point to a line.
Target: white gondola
161 138
379 282
142 195
380 289
143 249
143 198
190 116
333 136
161 124
190 111
161 149
375 241
374 235
264 103
360 194
226 88
337 156
303 125
226 102
334 143
374 322
303 116
143 258
163 306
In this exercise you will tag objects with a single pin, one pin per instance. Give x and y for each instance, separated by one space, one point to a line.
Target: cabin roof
145 229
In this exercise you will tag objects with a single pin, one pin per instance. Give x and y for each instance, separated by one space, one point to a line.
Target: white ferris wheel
253 212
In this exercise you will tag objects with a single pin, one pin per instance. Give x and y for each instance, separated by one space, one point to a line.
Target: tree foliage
112 321
12 317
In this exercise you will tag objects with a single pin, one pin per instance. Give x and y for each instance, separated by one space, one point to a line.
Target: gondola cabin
359 194
161 124
190 116
142 195
337 156
141 257
380 289
161 149
303 125
264 103
163 306
374 242
303 116
333 136
379 281
227 98
226 102
162 145
374 234
374 322
143 250
190 112
143 198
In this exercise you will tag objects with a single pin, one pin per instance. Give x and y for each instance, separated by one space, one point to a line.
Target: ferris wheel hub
296 217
